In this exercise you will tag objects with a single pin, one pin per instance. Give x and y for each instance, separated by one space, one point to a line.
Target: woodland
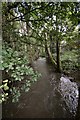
31 30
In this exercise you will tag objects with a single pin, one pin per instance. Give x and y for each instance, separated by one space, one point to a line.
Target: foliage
3 95
69 60
16 65
33 29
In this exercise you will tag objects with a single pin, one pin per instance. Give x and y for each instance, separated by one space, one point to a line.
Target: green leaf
6 87
27 89
5 81
34 16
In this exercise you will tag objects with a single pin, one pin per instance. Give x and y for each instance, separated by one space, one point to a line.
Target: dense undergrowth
16 66
70 61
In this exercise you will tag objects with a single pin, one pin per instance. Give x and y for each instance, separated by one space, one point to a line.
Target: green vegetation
16 67
33 30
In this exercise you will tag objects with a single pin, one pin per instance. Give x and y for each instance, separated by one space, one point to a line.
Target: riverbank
43 100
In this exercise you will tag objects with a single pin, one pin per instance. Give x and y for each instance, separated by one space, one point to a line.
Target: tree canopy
39 29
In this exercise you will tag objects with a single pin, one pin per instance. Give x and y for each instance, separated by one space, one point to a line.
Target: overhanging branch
21 17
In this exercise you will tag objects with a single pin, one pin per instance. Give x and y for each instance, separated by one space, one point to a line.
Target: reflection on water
52 96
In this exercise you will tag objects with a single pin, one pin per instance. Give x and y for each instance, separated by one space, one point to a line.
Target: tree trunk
57 46
49 56
58 55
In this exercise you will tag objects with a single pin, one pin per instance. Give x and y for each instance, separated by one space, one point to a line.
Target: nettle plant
17 67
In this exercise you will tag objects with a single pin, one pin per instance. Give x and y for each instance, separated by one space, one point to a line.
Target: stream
52 96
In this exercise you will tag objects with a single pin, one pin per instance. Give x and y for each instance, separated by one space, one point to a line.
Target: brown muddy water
52 96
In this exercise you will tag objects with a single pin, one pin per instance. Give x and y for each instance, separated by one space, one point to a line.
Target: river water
52 96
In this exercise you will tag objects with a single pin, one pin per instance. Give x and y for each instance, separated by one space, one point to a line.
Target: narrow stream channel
47 98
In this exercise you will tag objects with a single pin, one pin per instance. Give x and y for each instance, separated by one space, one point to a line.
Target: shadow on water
48 98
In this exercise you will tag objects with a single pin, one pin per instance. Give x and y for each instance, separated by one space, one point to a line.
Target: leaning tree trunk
49 56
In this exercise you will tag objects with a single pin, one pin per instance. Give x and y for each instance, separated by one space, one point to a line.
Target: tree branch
21 17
